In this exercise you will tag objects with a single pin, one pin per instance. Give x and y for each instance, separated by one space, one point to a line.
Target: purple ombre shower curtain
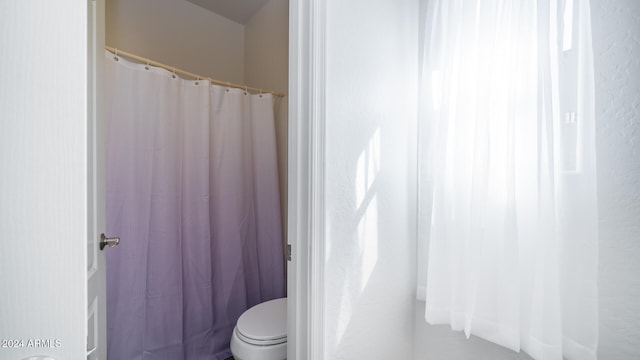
192 191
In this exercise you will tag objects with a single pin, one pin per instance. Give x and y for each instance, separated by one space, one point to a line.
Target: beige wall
266 55
266 47
180 34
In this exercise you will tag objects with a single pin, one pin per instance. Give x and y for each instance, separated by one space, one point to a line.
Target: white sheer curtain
508 181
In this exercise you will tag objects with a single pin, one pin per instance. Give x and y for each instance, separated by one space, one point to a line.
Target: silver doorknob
110 241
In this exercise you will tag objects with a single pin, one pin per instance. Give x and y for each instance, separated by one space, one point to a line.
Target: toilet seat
260 342
264 324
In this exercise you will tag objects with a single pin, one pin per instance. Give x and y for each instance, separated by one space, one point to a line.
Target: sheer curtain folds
508 188
192 191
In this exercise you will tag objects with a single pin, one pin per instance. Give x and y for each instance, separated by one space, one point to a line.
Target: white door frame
96 329
306 187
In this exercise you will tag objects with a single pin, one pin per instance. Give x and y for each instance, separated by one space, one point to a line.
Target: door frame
96 318
306 179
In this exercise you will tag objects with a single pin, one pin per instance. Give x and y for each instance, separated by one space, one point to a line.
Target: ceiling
237 10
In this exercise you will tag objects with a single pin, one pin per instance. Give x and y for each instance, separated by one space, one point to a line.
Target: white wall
180 34
43 187
371 99
616 44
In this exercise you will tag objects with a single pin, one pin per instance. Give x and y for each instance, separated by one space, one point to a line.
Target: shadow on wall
363 252
360 252
371 106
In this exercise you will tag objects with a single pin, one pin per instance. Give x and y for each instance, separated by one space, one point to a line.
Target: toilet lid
264 324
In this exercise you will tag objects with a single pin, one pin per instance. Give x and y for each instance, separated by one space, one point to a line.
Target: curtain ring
147 66
116 57
174 73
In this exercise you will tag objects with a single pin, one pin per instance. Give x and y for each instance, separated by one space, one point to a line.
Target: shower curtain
192 191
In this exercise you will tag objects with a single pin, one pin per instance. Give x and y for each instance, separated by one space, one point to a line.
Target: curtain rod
118 52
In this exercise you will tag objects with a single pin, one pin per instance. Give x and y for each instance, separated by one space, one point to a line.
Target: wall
371 102
266 66
616 44
266 47
180 34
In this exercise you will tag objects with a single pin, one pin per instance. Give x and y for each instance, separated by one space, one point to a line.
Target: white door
96 252
50 190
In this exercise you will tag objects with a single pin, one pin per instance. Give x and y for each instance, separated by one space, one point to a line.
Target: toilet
261 332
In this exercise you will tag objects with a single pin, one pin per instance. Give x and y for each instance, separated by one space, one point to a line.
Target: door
49 188
96 270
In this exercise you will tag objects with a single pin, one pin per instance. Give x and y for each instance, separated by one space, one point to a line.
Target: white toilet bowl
261 332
